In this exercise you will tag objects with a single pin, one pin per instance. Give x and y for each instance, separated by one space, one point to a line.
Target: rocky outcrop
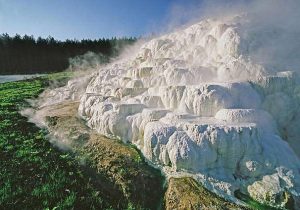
193 102
186 193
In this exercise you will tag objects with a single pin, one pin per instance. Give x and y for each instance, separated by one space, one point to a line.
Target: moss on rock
186 193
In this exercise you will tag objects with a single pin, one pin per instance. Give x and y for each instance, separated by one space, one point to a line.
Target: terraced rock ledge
120 170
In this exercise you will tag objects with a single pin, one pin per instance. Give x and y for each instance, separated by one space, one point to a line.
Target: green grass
33 173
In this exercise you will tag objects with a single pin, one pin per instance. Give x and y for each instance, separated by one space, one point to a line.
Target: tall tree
27 55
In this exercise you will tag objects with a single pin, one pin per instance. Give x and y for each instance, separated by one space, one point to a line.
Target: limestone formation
193 102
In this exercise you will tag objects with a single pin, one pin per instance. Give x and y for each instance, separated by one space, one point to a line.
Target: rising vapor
217 99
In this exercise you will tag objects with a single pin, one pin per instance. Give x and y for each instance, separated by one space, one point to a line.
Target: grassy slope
33 173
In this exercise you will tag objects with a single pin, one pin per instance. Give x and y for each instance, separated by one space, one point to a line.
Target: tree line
27 55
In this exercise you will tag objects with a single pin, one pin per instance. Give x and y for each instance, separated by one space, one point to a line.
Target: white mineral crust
191 102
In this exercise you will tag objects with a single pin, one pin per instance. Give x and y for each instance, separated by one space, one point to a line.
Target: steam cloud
270 31
183 98
270 35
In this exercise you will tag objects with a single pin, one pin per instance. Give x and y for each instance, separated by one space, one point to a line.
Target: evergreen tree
27 55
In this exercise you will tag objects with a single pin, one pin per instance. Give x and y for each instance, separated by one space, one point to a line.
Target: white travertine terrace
192 103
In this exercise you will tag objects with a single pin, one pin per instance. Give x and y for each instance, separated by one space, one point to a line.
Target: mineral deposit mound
196 103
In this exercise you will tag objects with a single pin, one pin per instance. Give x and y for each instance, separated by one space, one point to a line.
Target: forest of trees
27 55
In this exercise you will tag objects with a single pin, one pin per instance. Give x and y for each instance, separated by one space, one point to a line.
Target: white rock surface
191 102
